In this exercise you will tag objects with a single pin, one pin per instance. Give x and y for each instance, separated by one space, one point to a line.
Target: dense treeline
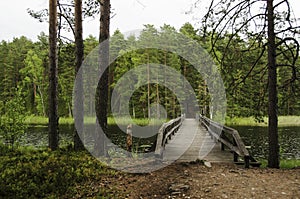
24 67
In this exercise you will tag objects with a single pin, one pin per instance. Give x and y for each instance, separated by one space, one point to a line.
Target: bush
47 174
12 124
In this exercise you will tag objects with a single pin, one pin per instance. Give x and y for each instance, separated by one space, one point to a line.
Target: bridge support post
222 146
247 161
235 157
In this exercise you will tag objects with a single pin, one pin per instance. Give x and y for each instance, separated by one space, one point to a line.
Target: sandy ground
187 180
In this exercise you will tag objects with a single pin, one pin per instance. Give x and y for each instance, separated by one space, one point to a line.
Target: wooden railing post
166 131
222 146
235 157
236 144
129 138
247 161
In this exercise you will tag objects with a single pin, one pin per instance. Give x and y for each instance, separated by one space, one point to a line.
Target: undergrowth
47 174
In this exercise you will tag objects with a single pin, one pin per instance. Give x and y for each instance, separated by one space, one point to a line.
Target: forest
42 86
24 76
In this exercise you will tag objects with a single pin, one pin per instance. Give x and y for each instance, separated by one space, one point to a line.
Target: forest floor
194 180
67 174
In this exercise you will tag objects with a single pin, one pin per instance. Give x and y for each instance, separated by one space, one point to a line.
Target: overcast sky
130 15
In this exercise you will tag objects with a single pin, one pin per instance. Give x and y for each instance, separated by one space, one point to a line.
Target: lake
37 136
256 137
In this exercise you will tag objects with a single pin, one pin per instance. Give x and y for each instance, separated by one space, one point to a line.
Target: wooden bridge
186 139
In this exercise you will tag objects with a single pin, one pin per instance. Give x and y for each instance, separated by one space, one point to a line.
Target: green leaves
33 70
42 174
12 124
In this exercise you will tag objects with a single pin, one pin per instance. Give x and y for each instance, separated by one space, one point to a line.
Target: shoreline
235 121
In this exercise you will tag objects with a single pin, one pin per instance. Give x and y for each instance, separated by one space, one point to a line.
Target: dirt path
184 180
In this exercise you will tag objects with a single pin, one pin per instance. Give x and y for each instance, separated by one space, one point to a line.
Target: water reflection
37 136
257 138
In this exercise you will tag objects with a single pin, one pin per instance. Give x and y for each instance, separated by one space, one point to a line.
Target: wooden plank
193 142
237 145
163 135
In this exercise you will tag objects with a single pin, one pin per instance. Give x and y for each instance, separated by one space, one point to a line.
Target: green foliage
244 121
137 121
284 163
46 174
289 164
252 121
12 59
24 63
12 124
66 71
38 120
33 80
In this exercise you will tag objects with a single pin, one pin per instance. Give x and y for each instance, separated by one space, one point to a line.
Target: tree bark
42 100
53 81
273 159
102 91
148 86
78 108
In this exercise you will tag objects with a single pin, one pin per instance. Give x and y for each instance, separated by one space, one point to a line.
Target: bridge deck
192 142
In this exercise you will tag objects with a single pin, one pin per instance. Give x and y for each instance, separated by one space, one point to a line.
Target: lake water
256 137
37 136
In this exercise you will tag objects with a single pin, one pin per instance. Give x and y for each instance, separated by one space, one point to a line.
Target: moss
47 174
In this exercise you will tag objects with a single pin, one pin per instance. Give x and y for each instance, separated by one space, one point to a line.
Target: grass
243 121
39 120
289 164
289 121
284 164
137 121
240 121
250 121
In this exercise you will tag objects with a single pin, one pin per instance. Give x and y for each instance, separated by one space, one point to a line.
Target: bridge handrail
165 133
236 145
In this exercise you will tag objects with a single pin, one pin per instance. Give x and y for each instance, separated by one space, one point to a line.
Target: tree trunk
165 81
157 101
53 81
42 100
78 108
133 110
148 86
33 102
273 159
102 91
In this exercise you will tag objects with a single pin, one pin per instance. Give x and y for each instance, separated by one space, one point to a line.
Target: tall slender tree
236 17
273 160
102 91
53 80
78 108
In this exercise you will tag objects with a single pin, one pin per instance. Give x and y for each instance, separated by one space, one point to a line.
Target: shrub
12 119
48 174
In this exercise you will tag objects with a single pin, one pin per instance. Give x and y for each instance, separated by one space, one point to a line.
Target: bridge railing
230 138
166 131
